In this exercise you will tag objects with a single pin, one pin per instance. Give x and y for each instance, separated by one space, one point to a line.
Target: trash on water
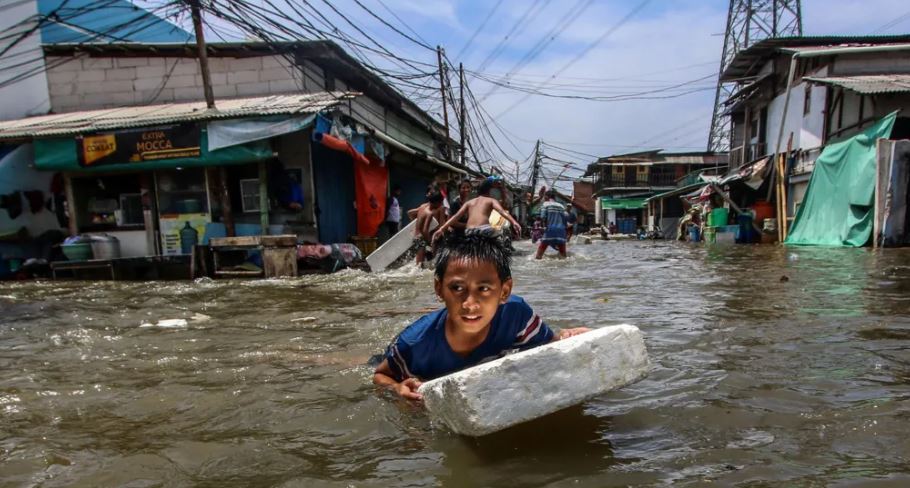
167 324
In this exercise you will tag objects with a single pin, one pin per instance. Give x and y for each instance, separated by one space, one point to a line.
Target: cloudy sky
667 51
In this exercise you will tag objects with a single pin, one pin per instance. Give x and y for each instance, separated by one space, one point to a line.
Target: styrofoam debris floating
167 324
530 384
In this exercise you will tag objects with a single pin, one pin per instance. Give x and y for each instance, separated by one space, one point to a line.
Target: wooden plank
248 241
284 240
393 248
783 189
279 261
884 150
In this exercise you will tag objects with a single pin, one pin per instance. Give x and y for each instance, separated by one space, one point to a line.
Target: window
249 195
807 100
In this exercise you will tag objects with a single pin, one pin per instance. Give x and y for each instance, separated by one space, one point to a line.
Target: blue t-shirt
422 351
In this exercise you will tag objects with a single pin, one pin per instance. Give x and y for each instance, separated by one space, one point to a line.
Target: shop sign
170 228
137 145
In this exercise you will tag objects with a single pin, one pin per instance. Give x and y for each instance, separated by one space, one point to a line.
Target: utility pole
227 214
535 170
202 54
462 129
442 90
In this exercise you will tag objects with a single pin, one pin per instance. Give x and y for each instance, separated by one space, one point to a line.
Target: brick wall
90 83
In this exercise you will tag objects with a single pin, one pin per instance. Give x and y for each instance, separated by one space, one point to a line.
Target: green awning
622 203
61 155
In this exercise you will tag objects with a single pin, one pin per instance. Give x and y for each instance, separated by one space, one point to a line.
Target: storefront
146 194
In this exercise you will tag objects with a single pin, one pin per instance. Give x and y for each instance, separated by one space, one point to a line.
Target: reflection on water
781 366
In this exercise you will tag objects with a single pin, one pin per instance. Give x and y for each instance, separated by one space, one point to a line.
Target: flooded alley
771 364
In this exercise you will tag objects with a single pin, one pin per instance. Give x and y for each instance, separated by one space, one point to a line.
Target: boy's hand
566 333
517 229
407 389
437 235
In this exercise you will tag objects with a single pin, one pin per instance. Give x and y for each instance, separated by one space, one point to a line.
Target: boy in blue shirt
481 321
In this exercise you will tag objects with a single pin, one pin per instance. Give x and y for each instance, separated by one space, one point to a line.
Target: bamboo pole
782 191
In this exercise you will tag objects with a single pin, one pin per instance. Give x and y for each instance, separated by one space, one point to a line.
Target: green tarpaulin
61 155
622 203
838 207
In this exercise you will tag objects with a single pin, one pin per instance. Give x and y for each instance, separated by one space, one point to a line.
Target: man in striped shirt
481 321
554 218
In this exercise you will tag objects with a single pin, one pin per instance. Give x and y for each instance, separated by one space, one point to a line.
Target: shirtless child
479 210
425 215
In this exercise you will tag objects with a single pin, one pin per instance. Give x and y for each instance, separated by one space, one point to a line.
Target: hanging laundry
35 200
340 145
323 126
340 130
359 143
375 151
12 203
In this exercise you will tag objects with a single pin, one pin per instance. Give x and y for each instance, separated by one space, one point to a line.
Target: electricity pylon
748 21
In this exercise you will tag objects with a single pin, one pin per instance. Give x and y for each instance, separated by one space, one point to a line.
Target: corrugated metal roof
868 84
73 123
748 61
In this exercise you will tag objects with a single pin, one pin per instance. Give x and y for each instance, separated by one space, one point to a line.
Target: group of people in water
553 226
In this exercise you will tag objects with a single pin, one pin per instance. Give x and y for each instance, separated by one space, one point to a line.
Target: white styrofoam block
530 384
392 249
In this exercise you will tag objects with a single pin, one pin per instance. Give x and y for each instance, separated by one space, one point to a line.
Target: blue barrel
693 233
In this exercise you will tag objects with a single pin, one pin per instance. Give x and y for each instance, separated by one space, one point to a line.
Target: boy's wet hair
485 186
550 194
434 197
478 247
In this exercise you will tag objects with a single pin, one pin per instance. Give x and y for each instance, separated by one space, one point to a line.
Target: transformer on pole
748 21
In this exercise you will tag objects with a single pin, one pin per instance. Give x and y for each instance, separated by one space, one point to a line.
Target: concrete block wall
93 83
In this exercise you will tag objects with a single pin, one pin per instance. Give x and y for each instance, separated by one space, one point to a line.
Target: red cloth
370 183
337 144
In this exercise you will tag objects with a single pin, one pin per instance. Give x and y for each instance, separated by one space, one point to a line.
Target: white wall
28 96
807 128
103 82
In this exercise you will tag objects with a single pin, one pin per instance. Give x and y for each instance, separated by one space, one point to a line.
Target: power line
516 28
585 51
390 26
568 19
465 49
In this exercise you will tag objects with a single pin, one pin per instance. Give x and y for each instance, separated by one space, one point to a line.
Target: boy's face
472 292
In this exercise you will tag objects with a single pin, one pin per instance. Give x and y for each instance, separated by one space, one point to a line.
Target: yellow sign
142 144
98 147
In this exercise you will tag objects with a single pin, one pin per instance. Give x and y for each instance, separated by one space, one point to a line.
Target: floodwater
771 367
